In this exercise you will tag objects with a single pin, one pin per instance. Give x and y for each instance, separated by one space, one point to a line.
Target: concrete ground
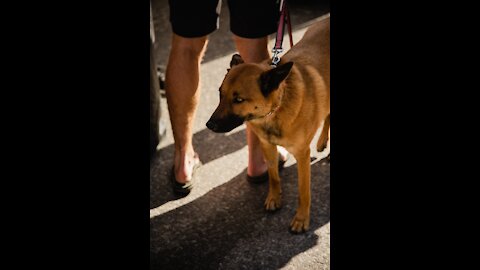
222 224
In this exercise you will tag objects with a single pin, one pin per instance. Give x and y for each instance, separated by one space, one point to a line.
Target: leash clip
284 18
276 58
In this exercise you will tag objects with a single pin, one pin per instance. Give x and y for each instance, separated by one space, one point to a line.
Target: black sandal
183 189
262 178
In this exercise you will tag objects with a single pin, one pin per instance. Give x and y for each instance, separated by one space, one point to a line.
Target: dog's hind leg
324 137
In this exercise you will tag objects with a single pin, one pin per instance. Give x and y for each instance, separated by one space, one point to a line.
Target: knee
189 47
252 49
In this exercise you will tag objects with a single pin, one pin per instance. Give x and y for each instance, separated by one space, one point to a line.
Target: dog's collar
264 116
276 107
272 111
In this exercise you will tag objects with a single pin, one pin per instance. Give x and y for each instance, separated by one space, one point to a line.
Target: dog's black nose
212 125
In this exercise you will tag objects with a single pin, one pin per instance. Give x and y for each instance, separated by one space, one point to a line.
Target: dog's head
248 92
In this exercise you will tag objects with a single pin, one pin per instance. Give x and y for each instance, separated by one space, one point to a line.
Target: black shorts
248 18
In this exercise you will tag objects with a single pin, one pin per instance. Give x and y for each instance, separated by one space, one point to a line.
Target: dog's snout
212 125
224 124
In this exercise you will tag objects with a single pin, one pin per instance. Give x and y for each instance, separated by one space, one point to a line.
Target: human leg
254 50
183 92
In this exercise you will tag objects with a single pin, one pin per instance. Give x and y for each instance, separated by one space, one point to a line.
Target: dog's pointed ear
236 60
270 80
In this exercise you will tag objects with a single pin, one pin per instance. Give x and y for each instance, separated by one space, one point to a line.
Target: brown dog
284 105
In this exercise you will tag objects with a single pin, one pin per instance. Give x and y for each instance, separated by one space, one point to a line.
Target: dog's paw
299 224
273 202
322 147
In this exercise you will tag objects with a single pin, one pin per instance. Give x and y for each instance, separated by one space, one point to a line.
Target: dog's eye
238 100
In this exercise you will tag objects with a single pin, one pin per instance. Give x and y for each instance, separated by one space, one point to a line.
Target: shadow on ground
211 145
229 228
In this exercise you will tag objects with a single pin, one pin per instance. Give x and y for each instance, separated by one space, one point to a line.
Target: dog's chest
272 133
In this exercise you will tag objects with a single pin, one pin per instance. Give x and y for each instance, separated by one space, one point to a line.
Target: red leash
284 19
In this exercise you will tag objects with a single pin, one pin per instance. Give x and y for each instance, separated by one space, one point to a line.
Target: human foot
185 165
258 172
185 184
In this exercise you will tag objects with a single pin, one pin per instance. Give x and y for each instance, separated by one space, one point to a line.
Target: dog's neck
287 98
270 114
275 109
282 88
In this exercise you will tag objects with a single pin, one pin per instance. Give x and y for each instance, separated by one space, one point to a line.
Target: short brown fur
288 115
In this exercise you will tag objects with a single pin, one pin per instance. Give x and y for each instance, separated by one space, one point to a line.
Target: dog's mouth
226 124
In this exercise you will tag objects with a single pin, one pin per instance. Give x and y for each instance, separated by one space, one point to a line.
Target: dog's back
314 48
311 58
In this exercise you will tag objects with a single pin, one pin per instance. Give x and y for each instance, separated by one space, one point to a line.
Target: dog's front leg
273 201
301 221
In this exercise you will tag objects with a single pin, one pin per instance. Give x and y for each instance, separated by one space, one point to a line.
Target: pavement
222 223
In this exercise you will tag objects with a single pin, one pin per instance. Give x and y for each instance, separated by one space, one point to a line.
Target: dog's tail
324 137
